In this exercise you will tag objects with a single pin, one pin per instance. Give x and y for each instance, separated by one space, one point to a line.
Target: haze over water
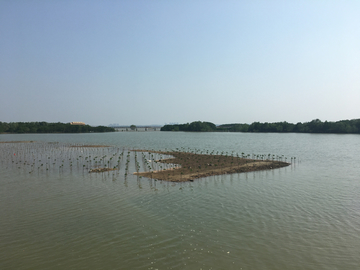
305 216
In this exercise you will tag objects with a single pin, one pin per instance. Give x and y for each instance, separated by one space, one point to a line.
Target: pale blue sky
155 62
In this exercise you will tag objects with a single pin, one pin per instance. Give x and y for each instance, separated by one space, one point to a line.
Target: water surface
305 216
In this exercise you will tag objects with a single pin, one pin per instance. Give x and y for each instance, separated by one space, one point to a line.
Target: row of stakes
62 157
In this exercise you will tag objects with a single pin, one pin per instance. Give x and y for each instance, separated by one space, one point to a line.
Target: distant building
77 123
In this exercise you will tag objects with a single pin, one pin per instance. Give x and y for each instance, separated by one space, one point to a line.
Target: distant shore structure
138 128
77 123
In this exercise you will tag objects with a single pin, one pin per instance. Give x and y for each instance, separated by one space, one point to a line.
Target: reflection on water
59 216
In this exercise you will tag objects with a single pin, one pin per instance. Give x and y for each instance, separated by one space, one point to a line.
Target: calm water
305 216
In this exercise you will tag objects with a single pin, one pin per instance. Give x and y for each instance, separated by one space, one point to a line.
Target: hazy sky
156 62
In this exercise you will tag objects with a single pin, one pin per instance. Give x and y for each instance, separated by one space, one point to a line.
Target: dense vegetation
315 126
194 126
44 127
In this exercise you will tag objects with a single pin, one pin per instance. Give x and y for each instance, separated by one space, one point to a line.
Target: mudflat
191 166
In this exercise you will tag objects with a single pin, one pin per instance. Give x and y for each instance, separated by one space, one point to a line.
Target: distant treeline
44 127
194 126
315 126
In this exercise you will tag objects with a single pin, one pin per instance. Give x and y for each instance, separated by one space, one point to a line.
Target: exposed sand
195 166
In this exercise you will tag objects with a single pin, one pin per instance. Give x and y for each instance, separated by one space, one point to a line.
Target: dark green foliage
44 127
315 126
194 126
201 126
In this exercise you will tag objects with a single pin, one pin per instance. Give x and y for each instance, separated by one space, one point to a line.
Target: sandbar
192 166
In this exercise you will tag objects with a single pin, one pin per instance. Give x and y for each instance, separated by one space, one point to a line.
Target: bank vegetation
44 127
315 126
